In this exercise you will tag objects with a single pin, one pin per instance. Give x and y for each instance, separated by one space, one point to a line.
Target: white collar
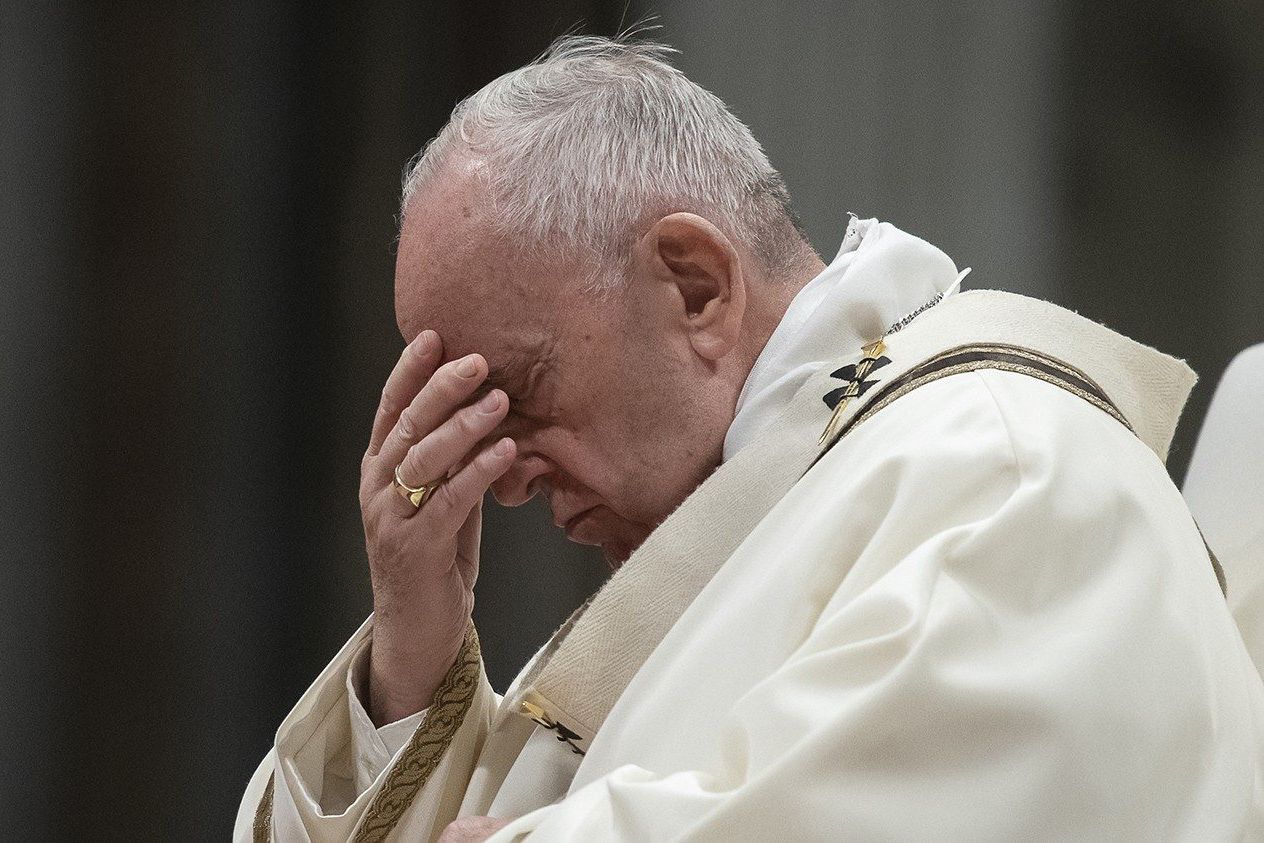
880 276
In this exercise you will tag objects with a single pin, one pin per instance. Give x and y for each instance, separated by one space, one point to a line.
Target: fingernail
503 447
428 338
490 403
466 368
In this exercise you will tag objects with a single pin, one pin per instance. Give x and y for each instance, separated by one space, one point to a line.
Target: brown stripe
1006 358
1047 365
1215 563
971 358
949 368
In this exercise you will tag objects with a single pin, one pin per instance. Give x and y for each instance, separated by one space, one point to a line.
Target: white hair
581 148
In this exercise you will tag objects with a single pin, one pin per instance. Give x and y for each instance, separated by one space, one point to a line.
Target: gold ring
416 496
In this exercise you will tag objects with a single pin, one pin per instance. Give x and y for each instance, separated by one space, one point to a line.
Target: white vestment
984 613
1225 489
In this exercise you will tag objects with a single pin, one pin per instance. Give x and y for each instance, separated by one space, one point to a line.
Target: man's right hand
424 561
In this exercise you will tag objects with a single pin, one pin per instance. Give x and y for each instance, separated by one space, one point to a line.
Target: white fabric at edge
880 275
373 747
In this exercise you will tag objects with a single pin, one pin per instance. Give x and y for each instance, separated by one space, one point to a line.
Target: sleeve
324 781
1029 645
371 748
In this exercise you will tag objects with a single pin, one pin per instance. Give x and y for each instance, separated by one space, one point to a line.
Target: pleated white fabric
1225 489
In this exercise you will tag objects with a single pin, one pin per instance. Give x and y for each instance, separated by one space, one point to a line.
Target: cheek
593 463
629 434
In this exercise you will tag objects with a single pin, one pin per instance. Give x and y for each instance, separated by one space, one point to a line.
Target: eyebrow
503 375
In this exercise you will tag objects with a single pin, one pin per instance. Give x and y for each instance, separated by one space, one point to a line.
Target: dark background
198 216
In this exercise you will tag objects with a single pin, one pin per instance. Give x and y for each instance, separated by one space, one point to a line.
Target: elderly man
891 561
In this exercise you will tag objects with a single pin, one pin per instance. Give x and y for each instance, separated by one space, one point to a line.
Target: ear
698 269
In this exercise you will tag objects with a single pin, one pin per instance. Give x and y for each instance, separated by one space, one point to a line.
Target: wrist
404 674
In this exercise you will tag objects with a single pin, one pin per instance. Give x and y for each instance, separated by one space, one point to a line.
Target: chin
618 539
615 556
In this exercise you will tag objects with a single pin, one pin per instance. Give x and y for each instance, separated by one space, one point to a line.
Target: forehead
456 276
516 373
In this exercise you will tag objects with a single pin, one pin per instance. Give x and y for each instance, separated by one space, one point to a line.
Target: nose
517 485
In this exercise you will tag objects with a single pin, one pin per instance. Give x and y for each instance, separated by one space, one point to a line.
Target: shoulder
1003 424
1031 465
1011 487
1058 437
989 447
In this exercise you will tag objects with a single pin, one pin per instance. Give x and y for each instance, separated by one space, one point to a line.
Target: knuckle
468 421
448 496
370 509
445 389
407 425
366 488
486 463
471 828
410 469
452 384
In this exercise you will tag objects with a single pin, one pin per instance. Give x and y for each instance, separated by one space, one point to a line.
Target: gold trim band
263 816
426 747
421 756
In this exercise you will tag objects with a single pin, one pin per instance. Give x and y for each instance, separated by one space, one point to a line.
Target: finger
440 450
459 494
471 829
415 366
451 385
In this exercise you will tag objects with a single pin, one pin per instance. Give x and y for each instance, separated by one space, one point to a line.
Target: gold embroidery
263 816
420 758
425 749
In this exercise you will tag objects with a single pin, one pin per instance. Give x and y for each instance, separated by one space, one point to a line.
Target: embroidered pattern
425 749
972 358
1006 358
420 757
263 817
